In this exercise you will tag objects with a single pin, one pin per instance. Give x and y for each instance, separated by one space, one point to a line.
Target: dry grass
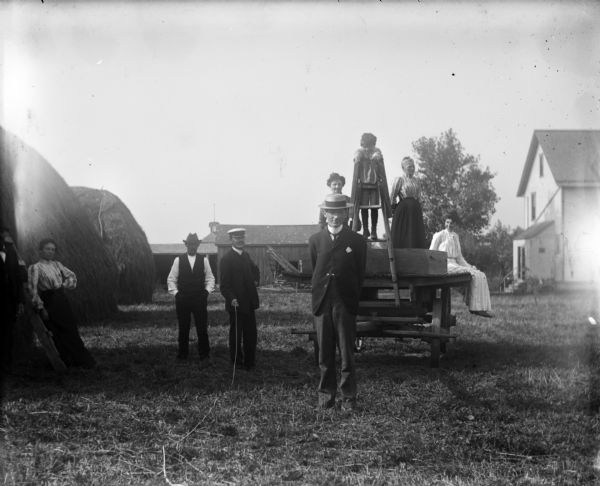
512 404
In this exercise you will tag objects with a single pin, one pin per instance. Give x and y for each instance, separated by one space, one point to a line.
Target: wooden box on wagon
409 261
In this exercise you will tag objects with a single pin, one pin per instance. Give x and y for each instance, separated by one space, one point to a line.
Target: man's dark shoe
326 401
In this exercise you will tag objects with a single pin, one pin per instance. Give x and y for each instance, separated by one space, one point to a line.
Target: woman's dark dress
408 229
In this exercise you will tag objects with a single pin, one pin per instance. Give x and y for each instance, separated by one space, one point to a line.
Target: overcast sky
241 110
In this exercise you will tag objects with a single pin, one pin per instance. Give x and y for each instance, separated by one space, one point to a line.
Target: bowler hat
192 238
336 201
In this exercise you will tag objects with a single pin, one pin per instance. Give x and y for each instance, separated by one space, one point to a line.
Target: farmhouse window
541 165
521 262
532 206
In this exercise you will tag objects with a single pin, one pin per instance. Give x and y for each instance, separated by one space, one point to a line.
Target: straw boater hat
191 239
237 232
336 201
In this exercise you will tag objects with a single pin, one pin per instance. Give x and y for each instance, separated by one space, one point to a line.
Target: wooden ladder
385 209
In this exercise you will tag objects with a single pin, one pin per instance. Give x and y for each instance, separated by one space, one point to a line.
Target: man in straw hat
338 258
239 277
190 281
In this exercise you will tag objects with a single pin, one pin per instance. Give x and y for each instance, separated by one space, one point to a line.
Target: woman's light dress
479 293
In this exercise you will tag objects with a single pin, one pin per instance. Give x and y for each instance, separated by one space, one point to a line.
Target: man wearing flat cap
338 257
239 277
190 281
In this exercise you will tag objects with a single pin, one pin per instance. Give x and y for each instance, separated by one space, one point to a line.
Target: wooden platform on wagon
414 305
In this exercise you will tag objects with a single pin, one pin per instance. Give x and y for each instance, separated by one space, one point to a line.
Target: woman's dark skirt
63 326
408 229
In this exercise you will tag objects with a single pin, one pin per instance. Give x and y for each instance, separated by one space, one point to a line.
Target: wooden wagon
413 303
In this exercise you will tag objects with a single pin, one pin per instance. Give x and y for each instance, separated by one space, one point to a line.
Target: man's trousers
242 338
187 305
335 324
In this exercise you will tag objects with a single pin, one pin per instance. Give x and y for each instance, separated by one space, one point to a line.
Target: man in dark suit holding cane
338 258
239 277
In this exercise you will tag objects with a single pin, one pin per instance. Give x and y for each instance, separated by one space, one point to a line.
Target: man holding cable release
239 277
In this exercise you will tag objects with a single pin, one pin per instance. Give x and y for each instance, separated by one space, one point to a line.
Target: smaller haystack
125 241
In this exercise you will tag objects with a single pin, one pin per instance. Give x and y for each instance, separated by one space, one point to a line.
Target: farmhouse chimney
213 225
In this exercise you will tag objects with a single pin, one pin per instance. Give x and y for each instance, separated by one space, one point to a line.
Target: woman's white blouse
448 241
48 275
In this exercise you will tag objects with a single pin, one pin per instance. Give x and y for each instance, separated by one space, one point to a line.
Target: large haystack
124 239
37 203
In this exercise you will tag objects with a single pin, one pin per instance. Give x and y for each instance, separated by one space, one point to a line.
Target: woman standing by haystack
408 229
47 280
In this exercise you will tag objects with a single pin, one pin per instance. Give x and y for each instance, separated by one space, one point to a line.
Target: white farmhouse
560 185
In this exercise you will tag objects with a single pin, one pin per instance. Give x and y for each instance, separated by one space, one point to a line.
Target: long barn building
289 241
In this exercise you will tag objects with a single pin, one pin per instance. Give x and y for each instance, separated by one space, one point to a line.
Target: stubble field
514 402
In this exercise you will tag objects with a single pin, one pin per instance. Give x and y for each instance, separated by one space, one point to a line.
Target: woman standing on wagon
47 280
408 230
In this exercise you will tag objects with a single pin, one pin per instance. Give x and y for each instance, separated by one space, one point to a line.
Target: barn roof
205 248
572 155
533 230
274 235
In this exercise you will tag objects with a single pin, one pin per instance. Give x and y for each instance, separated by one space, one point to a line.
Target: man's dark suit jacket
341 263
238 274
11 284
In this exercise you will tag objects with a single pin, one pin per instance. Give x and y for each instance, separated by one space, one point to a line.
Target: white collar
335 231
239 252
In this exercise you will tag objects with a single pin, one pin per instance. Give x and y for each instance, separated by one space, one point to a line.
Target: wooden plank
45 338
388 319
287 266
417 334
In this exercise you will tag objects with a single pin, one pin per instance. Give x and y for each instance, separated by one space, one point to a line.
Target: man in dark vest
190 281
338 257
239 276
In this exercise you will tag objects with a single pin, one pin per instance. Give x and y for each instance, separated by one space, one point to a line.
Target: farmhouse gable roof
573 157
273 235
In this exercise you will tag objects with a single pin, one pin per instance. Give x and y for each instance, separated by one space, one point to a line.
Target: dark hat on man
237 232
336 201
192 239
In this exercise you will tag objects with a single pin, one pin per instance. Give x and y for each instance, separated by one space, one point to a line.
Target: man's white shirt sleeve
209 278
173 277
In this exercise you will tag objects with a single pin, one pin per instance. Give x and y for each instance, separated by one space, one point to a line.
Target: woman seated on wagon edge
478 297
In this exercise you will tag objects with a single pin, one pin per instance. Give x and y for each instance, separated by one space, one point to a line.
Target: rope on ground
165 472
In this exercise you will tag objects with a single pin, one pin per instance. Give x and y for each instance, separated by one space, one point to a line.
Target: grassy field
514 402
